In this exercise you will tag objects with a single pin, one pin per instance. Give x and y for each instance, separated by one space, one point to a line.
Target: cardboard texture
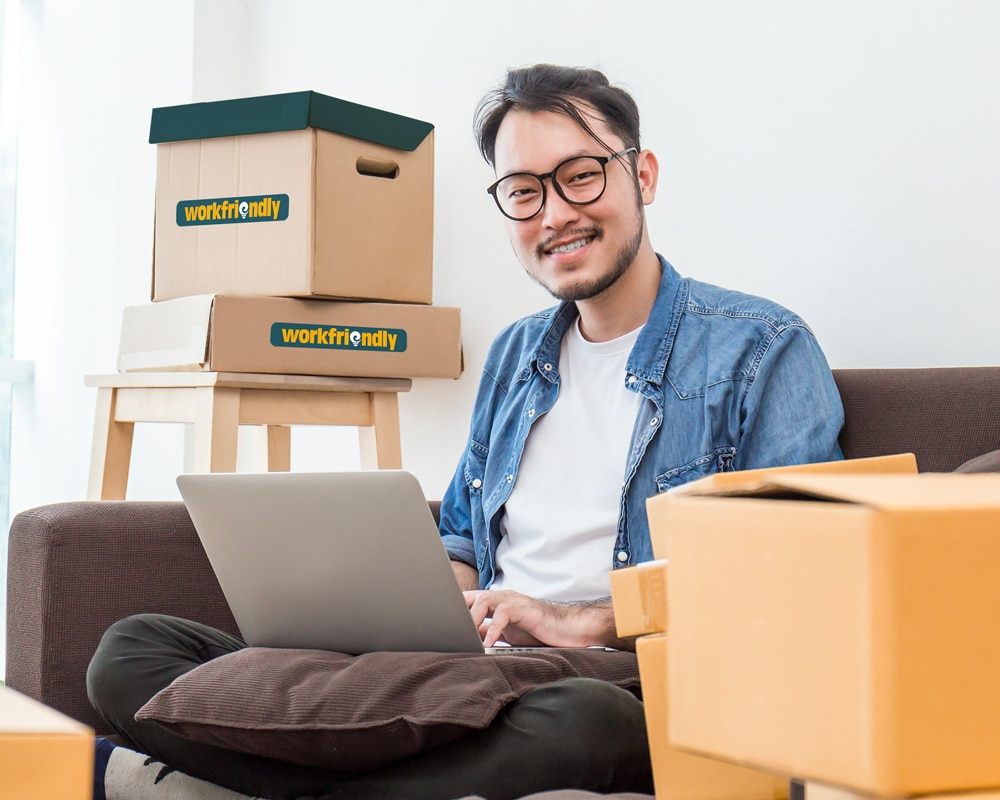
296 195
821 791
285 336
681 776
639 595
44 755
840 628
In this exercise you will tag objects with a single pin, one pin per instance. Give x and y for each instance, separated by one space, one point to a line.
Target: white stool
217 403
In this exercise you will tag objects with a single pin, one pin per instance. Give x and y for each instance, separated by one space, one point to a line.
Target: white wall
840 158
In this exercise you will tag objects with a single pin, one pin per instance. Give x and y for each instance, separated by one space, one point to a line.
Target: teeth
569 248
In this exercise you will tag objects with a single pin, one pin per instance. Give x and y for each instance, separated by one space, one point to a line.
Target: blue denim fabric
731 382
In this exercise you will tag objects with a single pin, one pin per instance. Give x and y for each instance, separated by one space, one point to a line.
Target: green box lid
286 112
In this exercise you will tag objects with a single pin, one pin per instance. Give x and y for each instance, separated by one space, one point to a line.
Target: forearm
594 622
521 620
467 577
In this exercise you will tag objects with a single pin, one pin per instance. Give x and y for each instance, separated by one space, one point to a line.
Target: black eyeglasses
579 180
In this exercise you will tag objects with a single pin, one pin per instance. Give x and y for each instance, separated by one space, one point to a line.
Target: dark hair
546 87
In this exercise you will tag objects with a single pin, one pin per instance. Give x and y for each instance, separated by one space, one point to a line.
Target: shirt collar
648 359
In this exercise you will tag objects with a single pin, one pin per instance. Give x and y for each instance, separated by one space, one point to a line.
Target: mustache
594 230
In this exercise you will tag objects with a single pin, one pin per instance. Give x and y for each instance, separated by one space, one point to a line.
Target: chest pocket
719 460
475 468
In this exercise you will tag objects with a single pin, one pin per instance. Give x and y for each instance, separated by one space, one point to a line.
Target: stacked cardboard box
642 596
293 234
838 627
640 601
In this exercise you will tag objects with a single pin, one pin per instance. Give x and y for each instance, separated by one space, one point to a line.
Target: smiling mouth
587 235
569 248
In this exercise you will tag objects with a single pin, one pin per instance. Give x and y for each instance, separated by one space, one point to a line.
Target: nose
557 213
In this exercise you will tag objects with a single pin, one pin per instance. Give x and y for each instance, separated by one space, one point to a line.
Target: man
669 379
638 381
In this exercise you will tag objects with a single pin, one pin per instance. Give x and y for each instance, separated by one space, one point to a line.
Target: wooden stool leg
111 451
216 425
380 445
279 448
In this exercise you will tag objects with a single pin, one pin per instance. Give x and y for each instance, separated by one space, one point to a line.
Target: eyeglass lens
580 180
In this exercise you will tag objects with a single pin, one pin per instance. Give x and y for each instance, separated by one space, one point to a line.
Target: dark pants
574 734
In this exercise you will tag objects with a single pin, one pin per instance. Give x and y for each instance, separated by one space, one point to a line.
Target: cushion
345 712
988 462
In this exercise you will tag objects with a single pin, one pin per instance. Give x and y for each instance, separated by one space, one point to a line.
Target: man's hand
523 621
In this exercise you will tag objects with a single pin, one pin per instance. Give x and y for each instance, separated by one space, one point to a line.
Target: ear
647 170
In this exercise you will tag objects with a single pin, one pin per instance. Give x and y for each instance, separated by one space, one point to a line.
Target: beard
624 259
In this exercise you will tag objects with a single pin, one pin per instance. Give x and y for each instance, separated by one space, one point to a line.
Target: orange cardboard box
839 628
285 336
682 776
821 791
639 594
295 195
44 755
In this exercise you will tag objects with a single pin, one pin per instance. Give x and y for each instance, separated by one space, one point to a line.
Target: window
10 371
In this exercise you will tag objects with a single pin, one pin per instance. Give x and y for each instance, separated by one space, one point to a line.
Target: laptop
350 562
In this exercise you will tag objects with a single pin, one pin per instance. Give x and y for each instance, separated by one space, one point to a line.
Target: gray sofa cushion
988 462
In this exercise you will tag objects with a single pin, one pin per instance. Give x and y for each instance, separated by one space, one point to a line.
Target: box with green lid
292 195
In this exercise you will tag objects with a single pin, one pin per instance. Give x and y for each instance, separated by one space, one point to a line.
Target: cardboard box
744 480
639 595
820 791
294 195
681 776
840 628
717 483
44 755
285 336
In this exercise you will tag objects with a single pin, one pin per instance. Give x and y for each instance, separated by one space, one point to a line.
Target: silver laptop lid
349 562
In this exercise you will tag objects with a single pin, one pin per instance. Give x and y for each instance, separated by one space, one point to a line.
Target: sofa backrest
944 415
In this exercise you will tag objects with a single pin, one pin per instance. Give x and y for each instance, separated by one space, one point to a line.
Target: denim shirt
730 382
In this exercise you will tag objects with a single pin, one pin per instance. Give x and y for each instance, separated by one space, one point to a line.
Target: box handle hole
377 168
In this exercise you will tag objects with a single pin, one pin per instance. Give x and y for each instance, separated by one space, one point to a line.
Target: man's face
575 252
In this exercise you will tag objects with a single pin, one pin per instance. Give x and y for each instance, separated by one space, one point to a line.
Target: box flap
172 334
928 491
741 481
286 112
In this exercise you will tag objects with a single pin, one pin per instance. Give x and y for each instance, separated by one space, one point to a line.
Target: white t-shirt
560 523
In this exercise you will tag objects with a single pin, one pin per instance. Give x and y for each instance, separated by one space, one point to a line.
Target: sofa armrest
75 568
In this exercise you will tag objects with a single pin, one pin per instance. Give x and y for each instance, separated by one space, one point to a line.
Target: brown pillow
360 712
988 462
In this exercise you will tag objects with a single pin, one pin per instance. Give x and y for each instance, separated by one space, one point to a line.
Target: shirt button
653 421
547 367
632 379
531 412
510 478
622 556
477 484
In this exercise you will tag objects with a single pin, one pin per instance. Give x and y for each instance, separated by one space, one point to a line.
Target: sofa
76 567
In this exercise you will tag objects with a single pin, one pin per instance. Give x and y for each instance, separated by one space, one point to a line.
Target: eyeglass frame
602 160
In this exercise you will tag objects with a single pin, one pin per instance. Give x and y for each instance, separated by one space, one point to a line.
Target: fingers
508 616
497 625
479 605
